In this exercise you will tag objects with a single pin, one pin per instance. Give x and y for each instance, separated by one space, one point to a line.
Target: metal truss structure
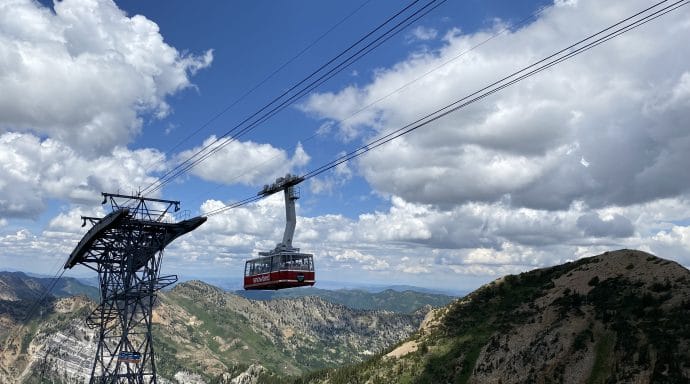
126 247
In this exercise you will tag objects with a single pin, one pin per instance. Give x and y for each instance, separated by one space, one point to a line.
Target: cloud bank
84 72
586 157
77 82
34 170
606 128
243 162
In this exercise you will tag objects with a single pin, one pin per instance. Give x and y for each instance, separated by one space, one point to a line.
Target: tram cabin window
290 262
297 262
258 266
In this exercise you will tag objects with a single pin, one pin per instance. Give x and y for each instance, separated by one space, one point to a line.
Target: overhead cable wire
401 88
436 68
501 84
37 303
225 139
237 204
606 34
212 148
404 86
267 78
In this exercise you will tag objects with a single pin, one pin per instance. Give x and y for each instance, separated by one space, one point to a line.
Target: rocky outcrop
304 333
202 335
54 344
250 376
616 317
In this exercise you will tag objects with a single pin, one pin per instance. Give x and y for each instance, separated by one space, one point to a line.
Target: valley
204 334
616 317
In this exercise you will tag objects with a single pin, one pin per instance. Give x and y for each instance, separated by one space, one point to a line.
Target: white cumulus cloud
622 106
244 162
33 170
422 33
85 72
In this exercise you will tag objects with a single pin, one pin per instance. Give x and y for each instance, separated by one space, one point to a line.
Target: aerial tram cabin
284 266
279 270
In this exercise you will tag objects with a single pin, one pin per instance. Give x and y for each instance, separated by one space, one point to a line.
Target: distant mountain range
202 333
235 285
620 317
406 301
22 286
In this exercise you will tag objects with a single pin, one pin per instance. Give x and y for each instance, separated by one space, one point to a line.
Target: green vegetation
617 323
388 300
26 339
215 325
633 327
601 370
636 314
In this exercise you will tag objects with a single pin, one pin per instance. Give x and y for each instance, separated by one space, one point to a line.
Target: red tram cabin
284 266
279 270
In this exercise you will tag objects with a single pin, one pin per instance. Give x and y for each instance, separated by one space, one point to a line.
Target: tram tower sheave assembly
125 248
284 266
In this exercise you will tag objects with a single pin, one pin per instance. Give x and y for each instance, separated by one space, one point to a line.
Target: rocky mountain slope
619 317
401 301
52 342
202 335
15 286
203 325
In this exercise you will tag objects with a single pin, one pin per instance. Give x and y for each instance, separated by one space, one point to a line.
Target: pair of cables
392 26
615 30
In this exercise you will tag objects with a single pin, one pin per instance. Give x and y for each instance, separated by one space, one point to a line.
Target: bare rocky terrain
202 335
619 317
204 325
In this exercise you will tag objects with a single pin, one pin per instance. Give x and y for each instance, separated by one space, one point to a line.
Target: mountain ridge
292 326
405 301
616 317
202 334
19 285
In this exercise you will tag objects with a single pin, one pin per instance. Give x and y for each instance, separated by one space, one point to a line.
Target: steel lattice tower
126 247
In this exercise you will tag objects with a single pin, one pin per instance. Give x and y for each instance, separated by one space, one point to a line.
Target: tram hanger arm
281 184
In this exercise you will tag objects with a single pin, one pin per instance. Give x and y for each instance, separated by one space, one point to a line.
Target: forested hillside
616 317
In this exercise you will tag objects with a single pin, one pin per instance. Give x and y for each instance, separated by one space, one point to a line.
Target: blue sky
251 40
585 157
